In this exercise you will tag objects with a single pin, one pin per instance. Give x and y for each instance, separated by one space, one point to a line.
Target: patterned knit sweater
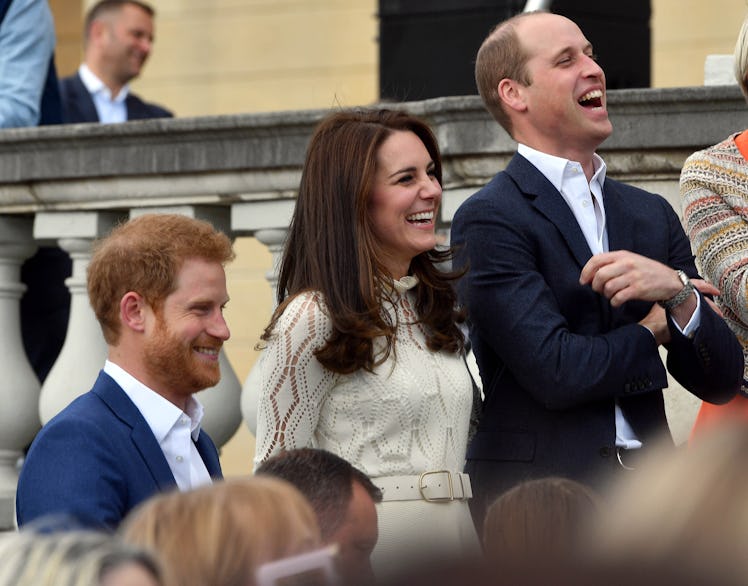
408 416
714 189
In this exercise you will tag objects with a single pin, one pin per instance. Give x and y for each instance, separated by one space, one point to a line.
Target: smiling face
184 337
563 110
404 201
124 39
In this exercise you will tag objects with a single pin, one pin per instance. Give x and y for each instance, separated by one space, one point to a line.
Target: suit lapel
142 437
207 450
549 202
620 235
84 102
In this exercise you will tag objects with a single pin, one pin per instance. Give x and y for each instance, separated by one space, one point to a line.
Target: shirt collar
405 283
95 86
160 414
554 168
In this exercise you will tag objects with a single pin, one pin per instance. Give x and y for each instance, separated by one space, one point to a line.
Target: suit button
605 452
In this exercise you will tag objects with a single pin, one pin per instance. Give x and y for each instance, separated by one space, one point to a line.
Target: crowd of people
563 282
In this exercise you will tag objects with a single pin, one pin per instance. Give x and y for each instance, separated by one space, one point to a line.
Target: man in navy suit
158 288
118 41
574 280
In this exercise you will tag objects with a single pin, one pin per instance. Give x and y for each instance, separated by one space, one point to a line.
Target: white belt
433 486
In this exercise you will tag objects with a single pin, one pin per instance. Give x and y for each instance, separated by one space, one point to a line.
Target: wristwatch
682 295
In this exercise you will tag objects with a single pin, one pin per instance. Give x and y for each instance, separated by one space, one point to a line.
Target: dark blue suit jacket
78 106
96 460
553 354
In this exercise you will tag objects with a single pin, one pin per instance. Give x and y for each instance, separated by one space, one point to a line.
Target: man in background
118 39
344 499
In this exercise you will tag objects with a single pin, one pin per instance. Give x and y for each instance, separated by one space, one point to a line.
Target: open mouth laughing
592 99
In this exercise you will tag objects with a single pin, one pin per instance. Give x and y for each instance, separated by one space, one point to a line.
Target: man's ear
96 30
132 311
511 94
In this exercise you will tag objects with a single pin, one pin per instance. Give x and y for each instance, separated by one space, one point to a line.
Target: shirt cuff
694 322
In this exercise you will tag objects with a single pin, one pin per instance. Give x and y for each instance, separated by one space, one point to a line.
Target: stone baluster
84 351
19 393
268 222
274 239
221 402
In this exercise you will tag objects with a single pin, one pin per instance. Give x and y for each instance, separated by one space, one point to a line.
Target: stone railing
69 184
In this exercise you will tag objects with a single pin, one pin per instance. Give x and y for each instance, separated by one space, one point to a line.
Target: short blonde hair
73 558
221 534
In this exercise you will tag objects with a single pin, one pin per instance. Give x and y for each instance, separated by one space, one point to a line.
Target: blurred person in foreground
158 288
75 558
118 39
683 511
343 498
364 354
714 189
538 519
221 535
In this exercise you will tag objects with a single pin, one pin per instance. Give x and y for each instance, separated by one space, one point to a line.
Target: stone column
84 351
221 402
274 239
268 222
19 393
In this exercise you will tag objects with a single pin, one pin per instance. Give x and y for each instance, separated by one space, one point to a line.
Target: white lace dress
409 416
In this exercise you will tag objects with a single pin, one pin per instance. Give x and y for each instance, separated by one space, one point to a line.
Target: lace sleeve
294 383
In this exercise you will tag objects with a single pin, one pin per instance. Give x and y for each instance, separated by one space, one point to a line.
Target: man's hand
708 289
624 276
656 322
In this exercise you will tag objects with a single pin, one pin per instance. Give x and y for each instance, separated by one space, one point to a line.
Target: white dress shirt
111 109
586 203
173 428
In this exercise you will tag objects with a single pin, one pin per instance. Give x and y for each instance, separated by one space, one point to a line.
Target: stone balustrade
69 185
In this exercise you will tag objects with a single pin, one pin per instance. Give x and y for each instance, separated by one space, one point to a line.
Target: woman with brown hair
364 352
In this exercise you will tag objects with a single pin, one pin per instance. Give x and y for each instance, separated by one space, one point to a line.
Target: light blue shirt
27 42
586 203
111 109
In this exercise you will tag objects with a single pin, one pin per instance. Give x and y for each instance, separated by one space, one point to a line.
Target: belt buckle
421 487
619 449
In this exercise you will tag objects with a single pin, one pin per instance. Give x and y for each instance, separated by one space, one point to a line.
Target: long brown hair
331 247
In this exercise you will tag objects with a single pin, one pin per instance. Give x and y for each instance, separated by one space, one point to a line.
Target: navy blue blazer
96 460
553 354
78 106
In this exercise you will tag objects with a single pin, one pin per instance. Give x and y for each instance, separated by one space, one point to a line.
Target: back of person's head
538 519
741 58
144 255
342 496
325 479
501 56
222 533
74 558
682 509
108 8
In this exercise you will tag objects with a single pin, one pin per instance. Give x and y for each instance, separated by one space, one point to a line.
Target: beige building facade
214 57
